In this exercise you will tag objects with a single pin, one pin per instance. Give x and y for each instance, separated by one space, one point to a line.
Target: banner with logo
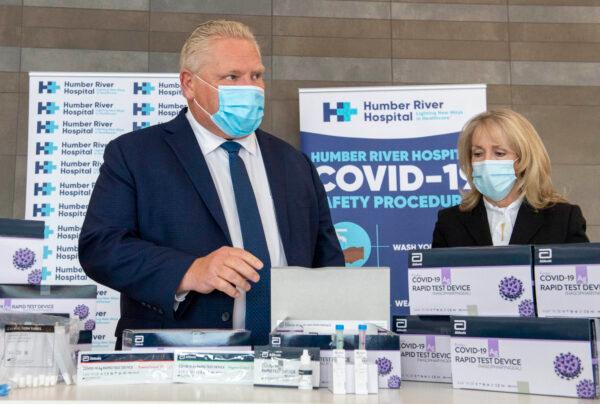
388 160
72 116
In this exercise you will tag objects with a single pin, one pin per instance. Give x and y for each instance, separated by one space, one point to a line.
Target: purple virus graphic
526 308
82 311
89 325
586 389
34 277
394 382
567 366
23 258
510 288
384 366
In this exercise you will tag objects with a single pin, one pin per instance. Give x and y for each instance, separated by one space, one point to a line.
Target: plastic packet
36 350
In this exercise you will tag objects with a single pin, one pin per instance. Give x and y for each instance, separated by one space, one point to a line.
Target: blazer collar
477 224
180 137
182 140
527 224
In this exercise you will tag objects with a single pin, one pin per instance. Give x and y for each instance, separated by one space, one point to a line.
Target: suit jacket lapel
182 140
275 168
477 225
527 224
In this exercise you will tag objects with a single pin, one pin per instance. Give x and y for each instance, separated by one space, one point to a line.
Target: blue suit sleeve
111 251
328 251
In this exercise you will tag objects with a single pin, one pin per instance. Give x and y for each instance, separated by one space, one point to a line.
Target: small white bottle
305 372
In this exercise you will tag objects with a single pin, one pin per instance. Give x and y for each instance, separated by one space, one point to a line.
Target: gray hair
198 43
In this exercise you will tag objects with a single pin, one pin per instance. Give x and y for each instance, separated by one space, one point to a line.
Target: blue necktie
258 299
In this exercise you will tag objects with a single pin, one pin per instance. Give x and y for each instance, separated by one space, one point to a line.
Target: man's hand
225 269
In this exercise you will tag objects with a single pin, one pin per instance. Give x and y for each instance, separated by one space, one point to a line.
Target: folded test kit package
21 251
382 347
37 350
567 280
552 356
214 366
201 366
280 366
171 339
119 367
76 301
425 347
473 281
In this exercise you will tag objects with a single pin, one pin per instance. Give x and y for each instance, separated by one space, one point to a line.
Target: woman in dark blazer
511 198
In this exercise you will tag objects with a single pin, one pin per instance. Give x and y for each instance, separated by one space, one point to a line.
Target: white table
410 392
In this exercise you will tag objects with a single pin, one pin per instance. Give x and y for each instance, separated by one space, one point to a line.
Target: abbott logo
545 255
85 358
138 340
416 259
401 325
460 327
276 341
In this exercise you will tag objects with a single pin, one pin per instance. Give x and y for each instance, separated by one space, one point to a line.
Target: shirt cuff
179 297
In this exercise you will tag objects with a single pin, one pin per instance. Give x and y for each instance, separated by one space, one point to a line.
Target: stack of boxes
478 313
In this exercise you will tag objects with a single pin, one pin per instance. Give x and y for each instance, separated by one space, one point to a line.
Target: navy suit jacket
155 209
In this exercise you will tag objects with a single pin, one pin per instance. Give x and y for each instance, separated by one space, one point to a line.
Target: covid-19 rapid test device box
567 280
424 347
473 281
553 356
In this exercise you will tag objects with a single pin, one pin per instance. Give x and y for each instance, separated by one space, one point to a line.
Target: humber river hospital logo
48 87
342 111
143 87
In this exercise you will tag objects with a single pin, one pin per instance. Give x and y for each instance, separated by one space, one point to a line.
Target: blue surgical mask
494 178
241 109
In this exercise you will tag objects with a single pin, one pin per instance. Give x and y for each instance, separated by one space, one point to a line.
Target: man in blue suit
187 217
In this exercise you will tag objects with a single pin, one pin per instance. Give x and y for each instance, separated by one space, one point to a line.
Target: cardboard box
171 339
383 346
214 366
567 280
76 301
279 366
553 356
118 367
21 251
474 281
425 348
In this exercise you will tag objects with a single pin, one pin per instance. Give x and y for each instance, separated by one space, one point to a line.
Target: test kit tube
339 336
361 375
338 377
362 336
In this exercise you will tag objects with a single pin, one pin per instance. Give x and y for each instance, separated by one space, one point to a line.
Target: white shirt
502 221
217 160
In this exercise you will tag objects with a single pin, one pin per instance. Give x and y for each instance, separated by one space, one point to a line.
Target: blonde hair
199 41
533 164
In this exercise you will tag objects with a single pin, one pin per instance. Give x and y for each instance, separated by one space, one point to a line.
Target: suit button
225 316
